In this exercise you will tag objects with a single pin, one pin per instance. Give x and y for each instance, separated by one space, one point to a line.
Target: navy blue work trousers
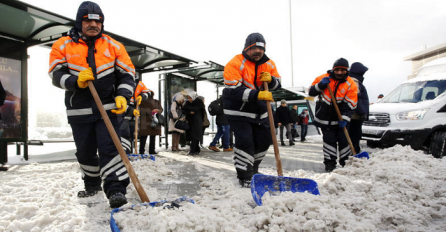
92 139
252 141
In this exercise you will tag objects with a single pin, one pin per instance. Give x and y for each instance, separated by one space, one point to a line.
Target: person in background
284 121
345 92
380 97
361 112
150 110
294 122
206 122
223 129
175 113
128 124
304 117
194 111
105 62
244 103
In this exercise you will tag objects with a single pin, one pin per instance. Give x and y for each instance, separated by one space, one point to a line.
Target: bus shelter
23 26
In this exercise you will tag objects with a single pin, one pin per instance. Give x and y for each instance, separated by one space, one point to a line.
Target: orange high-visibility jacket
242 86
346 94
145 93
114 74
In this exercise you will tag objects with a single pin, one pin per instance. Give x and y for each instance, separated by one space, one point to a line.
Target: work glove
265 95
136 113
121 103
84 76
342 124
265 76
139 99
324 82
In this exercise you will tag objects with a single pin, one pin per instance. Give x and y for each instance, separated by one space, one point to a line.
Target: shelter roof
24 24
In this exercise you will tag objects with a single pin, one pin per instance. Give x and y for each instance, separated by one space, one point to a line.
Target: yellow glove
139 99
265 95
265 76
84 76
121 103
136 113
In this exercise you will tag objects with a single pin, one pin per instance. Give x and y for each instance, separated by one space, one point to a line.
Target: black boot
282 143
89 191
117 199
245 183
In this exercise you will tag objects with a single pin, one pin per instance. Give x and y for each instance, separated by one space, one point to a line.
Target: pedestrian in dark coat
149 108
284 121
194 111
304 117
206 122
361 112
294 121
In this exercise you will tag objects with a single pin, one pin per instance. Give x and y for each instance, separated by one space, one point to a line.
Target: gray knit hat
282 101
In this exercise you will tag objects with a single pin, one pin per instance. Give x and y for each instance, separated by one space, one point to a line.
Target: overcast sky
378 33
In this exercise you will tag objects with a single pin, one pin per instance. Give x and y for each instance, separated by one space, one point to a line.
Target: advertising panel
10 98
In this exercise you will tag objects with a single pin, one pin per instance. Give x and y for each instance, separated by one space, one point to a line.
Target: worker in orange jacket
87 54
345 91
244 104
127 128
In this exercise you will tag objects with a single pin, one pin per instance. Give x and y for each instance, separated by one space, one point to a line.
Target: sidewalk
306 156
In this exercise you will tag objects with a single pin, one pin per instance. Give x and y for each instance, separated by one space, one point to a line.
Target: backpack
215 108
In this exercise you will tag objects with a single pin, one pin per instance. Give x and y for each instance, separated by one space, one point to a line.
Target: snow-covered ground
398 189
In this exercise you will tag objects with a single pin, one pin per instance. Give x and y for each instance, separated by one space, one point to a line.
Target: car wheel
372 144
437 147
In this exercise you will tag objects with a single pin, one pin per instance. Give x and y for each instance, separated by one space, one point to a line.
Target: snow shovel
363 154
274 185
142 194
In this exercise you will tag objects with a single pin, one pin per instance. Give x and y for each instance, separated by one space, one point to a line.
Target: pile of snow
398 189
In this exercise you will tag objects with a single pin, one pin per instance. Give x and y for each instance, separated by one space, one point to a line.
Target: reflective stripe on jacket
114 74
346 94
242 86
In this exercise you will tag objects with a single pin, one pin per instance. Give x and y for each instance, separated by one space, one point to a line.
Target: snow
397 189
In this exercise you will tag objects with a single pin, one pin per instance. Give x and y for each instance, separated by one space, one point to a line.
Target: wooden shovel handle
273 134
142 194
136 128
333 99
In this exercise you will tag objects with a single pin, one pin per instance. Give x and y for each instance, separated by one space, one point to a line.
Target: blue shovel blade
114 227
274 185
363 154
134 157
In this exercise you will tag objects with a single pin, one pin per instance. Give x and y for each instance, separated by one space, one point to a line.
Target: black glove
324 82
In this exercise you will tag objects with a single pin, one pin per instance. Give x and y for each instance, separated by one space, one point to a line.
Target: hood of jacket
357 71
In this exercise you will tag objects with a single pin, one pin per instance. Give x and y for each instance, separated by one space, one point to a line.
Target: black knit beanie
255 39
88 10
340 63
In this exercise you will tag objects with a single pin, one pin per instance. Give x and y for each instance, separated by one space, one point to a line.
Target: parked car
412 114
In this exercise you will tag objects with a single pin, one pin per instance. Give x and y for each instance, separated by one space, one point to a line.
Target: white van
413 114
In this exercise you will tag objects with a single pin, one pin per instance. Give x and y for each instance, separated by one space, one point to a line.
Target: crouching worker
346 93
87 54
244 101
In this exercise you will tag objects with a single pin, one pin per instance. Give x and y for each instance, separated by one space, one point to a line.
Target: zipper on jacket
242 105
337 83
255 76
71 99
